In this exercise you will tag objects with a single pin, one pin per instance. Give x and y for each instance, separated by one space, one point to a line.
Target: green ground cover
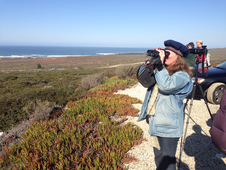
84 136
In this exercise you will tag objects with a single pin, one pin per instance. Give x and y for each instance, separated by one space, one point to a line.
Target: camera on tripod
199 51
155 54
200 58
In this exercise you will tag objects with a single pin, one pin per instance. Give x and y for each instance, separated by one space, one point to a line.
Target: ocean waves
36 55
30 51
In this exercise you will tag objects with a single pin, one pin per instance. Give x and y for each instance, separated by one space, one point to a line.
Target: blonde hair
180 65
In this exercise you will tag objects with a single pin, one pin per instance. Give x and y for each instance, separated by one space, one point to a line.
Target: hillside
217 55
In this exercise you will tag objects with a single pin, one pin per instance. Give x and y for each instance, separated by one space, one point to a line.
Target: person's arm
171 84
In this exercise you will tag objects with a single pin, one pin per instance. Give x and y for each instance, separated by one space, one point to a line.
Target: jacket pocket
166 116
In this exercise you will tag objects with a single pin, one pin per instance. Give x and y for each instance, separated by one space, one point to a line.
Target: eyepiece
155 54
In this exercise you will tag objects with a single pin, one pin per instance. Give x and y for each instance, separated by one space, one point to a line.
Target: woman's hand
161 54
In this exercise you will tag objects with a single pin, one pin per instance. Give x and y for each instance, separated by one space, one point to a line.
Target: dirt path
121 65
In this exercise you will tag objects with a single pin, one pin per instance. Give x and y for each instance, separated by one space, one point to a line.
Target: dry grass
217 55
30 64
39 109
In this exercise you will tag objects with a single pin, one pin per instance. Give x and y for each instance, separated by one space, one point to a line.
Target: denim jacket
169 116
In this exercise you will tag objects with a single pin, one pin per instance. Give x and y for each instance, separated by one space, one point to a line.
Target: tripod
195 84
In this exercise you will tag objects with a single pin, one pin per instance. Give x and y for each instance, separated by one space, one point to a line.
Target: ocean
38 51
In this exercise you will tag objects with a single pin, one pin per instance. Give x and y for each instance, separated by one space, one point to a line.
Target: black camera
155 54
203 50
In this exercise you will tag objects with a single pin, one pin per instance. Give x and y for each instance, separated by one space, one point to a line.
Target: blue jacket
169 117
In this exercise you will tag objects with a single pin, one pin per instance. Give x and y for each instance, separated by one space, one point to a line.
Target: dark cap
191 44
178 46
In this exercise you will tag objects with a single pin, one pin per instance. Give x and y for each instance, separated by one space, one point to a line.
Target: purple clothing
218 129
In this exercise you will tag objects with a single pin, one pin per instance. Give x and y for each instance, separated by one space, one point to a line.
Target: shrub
127 71
109 72
39 109
10 113
39 66
92 81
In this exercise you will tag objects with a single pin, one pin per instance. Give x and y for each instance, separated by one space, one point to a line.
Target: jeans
165 157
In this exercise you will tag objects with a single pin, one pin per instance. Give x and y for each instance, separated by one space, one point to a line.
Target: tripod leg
187 122
185 105
201 90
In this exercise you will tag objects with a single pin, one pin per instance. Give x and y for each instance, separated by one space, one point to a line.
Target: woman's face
171 59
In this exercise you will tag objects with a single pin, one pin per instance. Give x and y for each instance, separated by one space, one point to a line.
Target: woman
174 83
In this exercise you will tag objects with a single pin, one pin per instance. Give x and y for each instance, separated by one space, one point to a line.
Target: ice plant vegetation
84 137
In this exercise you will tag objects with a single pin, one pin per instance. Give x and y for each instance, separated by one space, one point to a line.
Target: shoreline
60 56
213 51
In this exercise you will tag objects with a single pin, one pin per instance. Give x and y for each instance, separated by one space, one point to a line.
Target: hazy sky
112 23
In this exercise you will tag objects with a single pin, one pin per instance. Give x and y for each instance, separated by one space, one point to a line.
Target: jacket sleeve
172 84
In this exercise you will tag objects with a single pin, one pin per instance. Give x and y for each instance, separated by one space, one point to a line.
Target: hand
161 54
147 62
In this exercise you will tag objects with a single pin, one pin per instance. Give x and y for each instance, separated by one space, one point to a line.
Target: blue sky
112 23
